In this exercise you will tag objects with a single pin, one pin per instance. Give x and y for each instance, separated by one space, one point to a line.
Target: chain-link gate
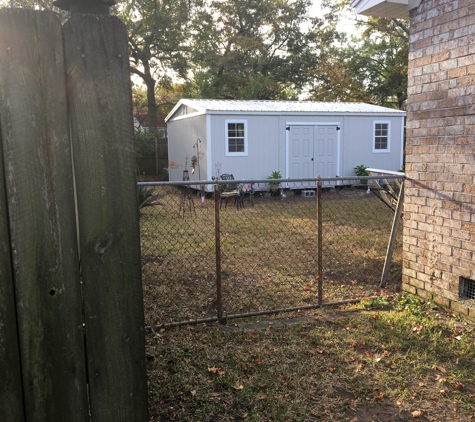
226 249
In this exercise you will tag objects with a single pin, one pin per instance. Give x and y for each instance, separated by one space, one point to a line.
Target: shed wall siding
268 147
263 145
182 135
358 144
439 219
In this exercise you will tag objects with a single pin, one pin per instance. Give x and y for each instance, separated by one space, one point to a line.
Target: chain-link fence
233 248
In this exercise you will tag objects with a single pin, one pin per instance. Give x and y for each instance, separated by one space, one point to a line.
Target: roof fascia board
397 113
174 109
187 116
187 103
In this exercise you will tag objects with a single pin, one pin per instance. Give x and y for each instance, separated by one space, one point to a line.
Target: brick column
439 219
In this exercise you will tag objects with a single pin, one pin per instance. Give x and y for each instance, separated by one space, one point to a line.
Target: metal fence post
219 300
319 242
392 239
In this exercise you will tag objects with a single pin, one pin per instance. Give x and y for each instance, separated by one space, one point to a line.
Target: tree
371 68
251 49
158 42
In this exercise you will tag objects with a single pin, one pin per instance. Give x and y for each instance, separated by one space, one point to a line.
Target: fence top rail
388 172
391 175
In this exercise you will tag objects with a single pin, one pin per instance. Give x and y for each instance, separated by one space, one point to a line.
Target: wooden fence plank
39 187
97 66
11 403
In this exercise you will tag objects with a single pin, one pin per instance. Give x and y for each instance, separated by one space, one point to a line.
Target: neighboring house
300 139
439 208
137 125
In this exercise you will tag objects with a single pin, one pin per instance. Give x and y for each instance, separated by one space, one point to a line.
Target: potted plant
361 171
274 186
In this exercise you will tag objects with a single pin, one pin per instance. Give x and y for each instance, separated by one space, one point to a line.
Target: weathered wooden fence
71 308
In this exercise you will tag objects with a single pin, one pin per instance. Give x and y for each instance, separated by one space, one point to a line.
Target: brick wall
439 221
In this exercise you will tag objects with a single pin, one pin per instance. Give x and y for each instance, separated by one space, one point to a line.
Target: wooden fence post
11 404
42 225
100 101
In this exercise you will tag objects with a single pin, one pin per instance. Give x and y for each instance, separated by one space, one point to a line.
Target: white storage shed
301 139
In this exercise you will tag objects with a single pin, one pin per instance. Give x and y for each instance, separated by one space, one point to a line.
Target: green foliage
371 68
274 175
145 143
360 170
147 197
251 49
411 304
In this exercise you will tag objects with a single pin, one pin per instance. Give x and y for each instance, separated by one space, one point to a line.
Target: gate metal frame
319 184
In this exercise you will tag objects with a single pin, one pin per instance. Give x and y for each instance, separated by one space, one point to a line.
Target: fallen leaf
238 387
216 370
416 414
439 368
193 393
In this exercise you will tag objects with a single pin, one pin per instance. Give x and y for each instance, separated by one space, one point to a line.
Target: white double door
313 151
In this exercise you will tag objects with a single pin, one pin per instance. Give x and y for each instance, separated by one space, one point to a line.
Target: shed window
236 138
381 137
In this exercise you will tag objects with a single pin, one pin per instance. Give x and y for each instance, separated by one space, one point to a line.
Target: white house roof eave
199 110
398 9
269 107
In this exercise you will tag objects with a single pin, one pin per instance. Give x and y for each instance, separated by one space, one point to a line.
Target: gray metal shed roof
277 107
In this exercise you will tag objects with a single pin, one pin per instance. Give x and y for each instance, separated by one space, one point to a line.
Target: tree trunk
151 101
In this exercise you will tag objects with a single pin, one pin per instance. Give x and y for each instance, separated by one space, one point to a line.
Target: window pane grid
236 145
381 133
236 137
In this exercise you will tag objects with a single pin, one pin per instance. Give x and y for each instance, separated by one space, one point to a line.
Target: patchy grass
390 359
